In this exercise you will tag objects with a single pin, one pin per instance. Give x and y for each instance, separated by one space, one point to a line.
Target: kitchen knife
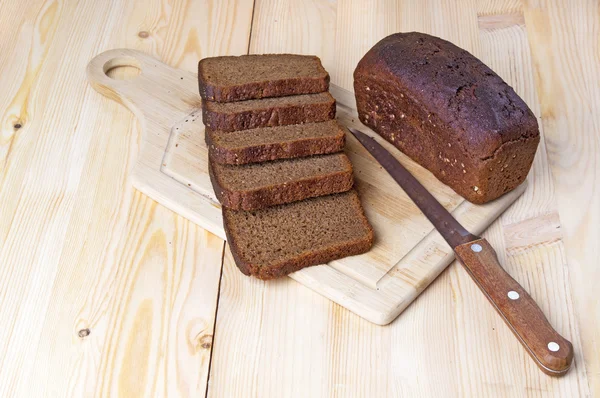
552 352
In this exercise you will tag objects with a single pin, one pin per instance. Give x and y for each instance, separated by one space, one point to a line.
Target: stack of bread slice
277 164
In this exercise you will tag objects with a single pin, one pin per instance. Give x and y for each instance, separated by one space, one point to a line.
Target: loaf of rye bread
268 112
276 241
274 143
259 185
227 79
449 112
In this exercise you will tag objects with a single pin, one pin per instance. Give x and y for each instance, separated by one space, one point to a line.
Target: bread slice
256 186
273 143
268 112
276 241
228 79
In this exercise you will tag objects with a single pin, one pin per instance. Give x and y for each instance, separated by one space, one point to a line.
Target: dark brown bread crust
286 266
213 91
449 112
284 192
274 151
267 114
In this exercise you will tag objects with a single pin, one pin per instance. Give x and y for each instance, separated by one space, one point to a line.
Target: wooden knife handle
552 352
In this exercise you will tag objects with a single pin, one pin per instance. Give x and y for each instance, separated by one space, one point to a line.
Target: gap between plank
251 26
214 334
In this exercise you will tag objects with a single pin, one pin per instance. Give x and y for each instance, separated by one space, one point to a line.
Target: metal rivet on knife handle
476 248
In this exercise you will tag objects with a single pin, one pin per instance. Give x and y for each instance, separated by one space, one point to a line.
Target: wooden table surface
105 293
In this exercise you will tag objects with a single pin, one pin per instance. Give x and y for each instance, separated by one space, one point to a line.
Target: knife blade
550 351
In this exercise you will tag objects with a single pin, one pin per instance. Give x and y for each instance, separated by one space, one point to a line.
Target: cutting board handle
147 100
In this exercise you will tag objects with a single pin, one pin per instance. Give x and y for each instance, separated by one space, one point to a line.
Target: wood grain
569 91
307 27
80 249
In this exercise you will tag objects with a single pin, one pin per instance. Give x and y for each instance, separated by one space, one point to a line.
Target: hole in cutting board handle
122 68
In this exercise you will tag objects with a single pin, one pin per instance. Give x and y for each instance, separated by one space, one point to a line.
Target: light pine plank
79 247
450 341
75 234
565 52
501 11
267 333
291 26
360 24
161 314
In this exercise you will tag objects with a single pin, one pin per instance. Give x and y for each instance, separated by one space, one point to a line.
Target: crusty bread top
450 82
231 70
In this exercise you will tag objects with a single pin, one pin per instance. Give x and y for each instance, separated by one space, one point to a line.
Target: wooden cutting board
172 169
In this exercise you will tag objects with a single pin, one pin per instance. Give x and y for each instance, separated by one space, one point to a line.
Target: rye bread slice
259 185
273 143
276 241
228 79
268 112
